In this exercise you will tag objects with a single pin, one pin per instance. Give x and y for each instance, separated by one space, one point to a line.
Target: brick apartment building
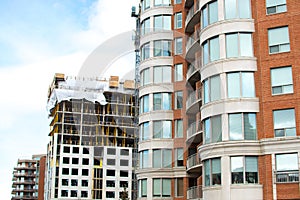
219 102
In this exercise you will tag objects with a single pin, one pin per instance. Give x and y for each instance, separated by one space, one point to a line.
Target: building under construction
92 137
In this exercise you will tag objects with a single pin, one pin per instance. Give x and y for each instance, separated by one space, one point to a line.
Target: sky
39 38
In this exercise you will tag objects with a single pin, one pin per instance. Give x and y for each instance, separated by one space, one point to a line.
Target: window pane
178 99
157 129
157 48
146 103
167 133
178 72
244 8
215 89
145 159
284 118
166 101
179 187
232 45
146 77
178 46
233 84
248 84
158 75
207 172
156 159
144 188
246 44
204 17
281 76
286 162
157 101
251 164
146 135
167 74
167 158
230 9
207 131
235 126
216 166
179 128
214 49
167 22
205 53
156 187
213 12
206 91
278 36
166 48
250 126
237 169
216 129
166 187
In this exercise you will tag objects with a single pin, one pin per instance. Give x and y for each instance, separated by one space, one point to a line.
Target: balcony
287 177
194 133
192 45
193 102
192 18
194 192
193 73
194 165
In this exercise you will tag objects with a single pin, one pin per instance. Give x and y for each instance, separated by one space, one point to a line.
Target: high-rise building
219 114
27 176
92 135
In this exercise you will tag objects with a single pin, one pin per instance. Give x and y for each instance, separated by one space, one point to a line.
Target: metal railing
192 161
194 192
287 176
193 97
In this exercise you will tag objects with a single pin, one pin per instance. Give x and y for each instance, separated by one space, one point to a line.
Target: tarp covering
90 90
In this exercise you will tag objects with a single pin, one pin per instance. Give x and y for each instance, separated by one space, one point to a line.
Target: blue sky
37 39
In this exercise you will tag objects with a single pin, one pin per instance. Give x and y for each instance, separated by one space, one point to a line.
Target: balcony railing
192 39
287 177
194 192
193 97
190 14
193 161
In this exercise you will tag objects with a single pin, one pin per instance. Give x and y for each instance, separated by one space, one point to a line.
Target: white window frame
280 72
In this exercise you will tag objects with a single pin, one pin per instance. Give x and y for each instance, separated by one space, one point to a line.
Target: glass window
145 26
211 50
287 169
212 172
145 4
179 187
282 80
162 2
162 158
179 157
240 84
178 46
177 1
178 20
144 159
179 128
244 170
144 131
284 122
237 9
213 129
212 89
162 22
279 40
162 101
144 104
145 77
276 6
178 72
145 49
209 14
162 74
161 187
64 193
162 129
239 44
178 99
242 126
162 48
143 188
